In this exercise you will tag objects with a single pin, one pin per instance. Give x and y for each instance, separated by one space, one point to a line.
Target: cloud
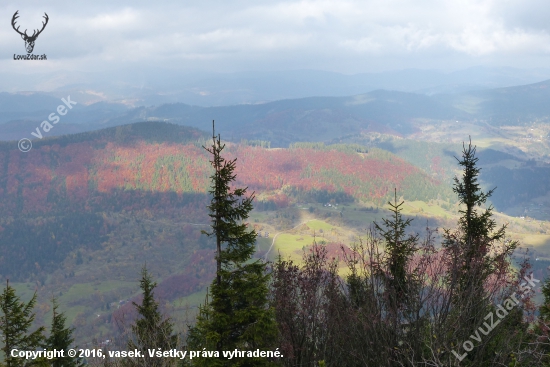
344 36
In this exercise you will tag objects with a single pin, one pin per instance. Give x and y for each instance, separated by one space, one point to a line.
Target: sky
119 39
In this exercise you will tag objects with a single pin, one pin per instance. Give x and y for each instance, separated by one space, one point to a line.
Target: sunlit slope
114 171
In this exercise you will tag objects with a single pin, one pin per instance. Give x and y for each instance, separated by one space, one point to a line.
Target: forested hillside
88 208
68 182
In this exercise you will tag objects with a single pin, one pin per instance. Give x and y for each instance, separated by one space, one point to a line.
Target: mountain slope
306 119
162 169
80 213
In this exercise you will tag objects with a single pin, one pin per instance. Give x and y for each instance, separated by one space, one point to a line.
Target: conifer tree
477 238
16 320
545 307
474 225
400 283
238 315
479 264
61 338
151 330
399 249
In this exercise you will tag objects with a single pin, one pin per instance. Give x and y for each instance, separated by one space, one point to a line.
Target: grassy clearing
79 292
356 214
192 300
421 207
496 143
470 104
316 225
83 290
263 243
538 243
537 240
24 291
70 313
291 246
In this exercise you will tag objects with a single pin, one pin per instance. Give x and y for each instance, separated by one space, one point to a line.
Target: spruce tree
399 250
544 309
151 330
61 338
401 285
477 237
478 265
238 315
16 320
475 225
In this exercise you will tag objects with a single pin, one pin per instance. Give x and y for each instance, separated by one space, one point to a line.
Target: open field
531 140
356 219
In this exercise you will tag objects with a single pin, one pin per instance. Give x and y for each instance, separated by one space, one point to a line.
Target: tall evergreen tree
544 309
151 330
477 238
479 263
399 281
476 226
16 320
399 250
61 338
238 315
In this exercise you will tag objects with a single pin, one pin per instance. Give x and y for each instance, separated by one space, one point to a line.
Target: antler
15 16
34 34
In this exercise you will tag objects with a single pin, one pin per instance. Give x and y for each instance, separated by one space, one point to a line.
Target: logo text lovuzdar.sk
29 39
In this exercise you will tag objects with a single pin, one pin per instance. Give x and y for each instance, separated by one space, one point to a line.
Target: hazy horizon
140 44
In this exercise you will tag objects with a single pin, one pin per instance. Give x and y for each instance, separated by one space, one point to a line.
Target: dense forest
71 173
63 195
405 300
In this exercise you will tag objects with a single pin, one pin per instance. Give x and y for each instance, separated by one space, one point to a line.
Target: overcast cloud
344 36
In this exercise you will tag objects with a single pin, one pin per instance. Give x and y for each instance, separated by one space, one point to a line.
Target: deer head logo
29 40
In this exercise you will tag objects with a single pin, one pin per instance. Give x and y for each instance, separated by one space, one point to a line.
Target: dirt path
274 237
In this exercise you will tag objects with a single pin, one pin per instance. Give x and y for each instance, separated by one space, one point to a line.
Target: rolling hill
85 211
287 121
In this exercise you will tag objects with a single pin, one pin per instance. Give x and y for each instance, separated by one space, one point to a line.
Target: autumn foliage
102 173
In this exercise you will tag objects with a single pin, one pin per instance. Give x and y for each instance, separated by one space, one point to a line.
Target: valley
82 213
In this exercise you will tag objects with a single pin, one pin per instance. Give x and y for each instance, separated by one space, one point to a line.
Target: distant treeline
256 143
346 148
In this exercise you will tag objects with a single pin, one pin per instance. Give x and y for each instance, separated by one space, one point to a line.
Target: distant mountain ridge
314 118
136 87
505 106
